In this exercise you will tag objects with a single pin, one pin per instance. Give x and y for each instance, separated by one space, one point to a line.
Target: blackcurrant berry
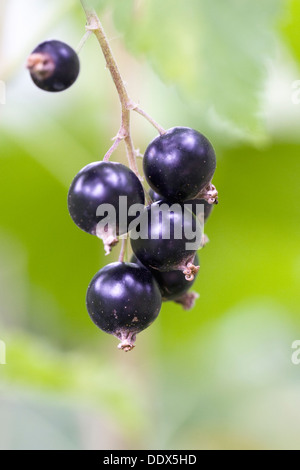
167 238
102 183
123 299
53 65
194 202
172 284
207 208
179 164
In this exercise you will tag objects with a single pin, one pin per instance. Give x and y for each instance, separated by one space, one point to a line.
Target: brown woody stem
94 25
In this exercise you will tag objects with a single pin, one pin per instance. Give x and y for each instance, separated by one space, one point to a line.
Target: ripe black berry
168 240
179 164
53 66
172 284
197 202
194 202
123 299
103 183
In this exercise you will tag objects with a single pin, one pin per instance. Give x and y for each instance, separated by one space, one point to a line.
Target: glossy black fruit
194 202
167 239
123 299
172 284
179 164
102 183
53 66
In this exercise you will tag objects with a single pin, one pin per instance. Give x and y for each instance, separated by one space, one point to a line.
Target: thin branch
82 41
94 25
140 111
112 149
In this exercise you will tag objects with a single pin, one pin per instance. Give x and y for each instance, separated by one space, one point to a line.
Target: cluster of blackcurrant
124 298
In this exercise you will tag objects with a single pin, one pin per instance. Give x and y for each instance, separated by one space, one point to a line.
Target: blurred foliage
220 375
214 52
290 26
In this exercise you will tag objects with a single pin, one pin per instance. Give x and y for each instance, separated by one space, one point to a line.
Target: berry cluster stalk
94 25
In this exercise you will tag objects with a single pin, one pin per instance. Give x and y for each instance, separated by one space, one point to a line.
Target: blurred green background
219 376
